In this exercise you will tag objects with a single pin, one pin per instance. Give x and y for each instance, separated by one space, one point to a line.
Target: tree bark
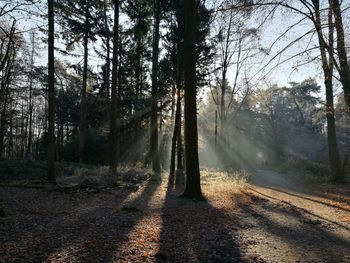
193 187
51 100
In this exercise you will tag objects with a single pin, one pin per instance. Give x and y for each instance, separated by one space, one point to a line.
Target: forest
174 131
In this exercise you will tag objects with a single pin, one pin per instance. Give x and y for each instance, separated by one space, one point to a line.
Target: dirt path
292 223
151 224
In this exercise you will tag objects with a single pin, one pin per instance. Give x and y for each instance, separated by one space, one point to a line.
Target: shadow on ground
285 231
194 231
78 231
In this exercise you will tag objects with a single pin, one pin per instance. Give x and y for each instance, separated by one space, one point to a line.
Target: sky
272 74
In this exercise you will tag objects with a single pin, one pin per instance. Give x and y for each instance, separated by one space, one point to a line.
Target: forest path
295 223
151 224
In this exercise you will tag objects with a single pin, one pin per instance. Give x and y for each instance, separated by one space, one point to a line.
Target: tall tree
340 59
113 106
154 104
343 68
31 77
82 123
51 89
7 57
83 17
108 51
327 66
193 187
176 35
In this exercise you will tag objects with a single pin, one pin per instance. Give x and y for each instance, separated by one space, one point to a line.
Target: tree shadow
308 198
194 232
289 187
92 234
307 237
303 210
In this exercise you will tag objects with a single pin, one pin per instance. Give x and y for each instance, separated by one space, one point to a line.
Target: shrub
306 170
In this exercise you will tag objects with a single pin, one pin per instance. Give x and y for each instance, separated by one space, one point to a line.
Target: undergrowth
25 169
306 170
224 181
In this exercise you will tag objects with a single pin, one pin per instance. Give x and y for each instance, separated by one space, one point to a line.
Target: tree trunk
2 125
113 106
222 104
30 128
51 90
6 66
175 133
225 64
154 151
178 76
179 147
216 128
342 53
327 66
108 59
82 123
193 187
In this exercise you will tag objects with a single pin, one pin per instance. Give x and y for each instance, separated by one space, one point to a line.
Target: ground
271 219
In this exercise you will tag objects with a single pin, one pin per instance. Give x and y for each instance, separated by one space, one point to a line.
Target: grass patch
224 181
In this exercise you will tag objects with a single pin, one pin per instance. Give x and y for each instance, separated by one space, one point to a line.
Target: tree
176 50
237 46
327 66
154 104
51 94
84 24
339 58
8 55
288 121
113 108
108 51
31 77
204 55
343 67
193 187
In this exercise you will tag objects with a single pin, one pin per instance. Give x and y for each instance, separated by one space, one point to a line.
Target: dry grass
224 181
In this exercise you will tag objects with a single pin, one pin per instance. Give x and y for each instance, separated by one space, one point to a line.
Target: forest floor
271 219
